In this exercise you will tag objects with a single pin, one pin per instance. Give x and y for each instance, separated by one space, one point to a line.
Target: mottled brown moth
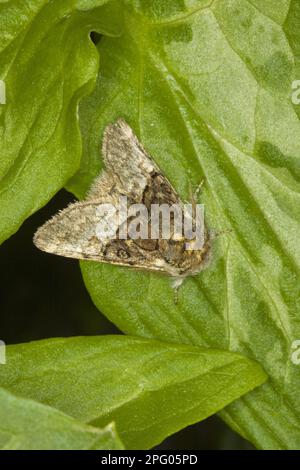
129 172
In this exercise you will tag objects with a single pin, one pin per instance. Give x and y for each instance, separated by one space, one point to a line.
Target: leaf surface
28 425
148 388
207 87
48 63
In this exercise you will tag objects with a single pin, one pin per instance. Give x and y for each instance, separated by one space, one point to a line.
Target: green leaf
28 425
48 63
207 87
148 388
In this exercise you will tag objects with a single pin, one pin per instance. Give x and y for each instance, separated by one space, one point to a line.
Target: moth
131 172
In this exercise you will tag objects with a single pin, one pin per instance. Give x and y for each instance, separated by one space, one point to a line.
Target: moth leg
176 283
198 190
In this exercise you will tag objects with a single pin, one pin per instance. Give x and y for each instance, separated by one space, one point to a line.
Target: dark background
43 296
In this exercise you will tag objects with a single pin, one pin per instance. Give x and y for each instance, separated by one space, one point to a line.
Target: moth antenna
213 235
199 189
176 295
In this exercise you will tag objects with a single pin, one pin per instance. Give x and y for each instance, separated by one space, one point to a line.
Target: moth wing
126 161
74 233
